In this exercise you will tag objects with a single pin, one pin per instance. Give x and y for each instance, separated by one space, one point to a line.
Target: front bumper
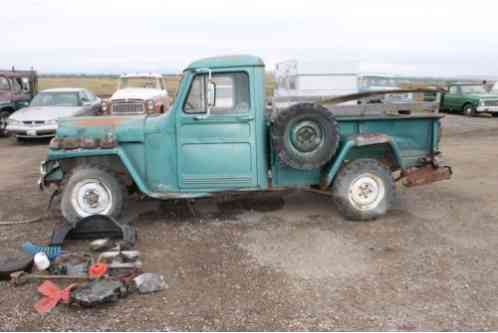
490 109
48 173
42 131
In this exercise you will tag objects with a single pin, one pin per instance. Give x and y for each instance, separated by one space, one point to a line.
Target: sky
422 38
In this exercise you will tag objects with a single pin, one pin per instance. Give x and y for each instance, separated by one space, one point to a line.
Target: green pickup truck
219 137
470 99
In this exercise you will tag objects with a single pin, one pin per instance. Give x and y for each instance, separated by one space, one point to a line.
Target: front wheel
363 190
469 110
92 190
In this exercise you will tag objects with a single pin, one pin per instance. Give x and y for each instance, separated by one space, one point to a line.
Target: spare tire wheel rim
306 136
366 192
90 197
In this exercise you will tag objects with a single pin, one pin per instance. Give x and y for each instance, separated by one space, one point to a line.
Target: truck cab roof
227 62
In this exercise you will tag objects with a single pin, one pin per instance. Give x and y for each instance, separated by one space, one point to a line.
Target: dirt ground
293 264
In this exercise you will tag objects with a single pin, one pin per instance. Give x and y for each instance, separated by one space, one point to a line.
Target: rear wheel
469 110
494 115
363 190
92 190
4 115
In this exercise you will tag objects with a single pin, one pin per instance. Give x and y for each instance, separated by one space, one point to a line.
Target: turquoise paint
181 155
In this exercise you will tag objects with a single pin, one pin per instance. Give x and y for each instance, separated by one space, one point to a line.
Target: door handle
245 118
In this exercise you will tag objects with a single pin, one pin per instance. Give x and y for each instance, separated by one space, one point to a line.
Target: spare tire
305 136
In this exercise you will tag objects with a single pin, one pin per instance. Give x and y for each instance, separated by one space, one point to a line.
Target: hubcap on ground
91 197
306 136
366 191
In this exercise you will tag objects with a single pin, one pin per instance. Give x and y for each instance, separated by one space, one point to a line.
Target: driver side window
232 94
453 90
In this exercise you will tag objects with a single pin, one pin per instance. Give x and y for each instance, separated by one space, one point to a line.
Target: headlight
150 105
481 103
13 122
51 122
105 106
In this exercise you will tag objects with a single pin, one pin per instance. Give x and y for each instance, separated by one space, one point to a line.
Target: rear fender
360 141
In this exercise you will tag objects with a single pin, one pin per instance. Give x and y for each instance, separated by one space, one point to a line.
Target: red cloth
53 295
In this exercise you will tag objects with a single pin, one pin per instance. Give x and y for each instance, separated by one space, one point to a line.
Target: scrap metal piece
150 282
20 278
98 292
94 227
426 175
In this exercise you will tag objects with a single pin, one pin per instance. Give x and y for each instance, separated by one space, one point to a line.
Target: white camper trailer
307 80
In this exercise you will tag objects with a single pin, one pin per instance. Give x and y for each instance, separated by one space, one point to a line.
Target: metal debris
98 292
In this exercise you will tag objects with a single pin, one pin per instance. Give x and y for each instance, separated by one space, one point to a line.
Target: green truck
470 99
219 137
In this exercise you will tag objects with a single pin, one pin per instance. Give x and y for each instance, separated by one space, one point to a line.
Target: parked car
39 119
17 88
470 99
202 148
138 94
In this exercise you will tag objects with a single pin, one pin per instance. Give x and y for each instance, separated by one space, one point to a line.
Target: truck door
451 99
218 151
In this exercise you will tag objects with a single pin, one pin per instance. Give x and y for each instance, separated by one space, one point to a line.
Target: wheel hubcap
306 136
91 197
366 192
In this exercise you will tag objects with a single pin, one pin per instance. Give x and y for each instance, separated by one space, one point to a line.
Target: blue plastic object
52 252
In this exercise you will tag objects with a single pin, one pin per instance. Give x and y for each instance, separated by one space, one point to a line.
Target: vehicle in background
17 88
312 81
470 99
371 82
138 94
39 118
217 139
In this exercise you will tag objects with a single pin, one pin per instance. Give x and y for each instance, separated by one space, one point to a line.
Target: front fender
351 142
51 171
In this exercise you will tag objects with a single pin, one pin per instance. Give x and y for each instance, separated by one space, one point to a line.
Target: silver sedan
39 119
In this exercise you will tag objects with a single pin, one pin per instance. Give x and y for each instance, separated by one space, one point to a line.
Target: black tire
3 123
495 115
469 110
107 181
305 136
376 176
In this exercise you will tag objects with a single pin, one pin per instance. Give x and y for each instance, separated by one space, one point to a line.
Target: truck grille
491 103
130 107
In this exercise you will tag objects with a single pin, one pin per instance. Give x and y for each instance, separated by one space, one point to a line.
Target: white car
138 94
39 119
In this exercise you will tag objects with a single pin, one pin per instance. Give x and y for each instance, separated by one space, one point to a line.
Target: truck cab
217 138
17 88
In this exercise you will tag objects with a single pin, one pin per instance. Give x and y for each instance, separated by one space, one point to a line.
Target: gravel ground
292 263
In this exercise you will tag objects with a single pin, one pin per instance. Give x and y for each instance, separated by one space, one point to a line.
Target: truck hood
35 113
485 96
136 93
120 128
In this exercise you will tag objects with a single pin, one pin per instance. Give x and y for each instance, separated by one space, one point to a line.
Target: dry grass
106 85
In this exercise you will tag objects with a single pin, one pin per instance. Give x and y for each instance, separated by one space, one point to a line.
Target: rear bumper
490 109
434 170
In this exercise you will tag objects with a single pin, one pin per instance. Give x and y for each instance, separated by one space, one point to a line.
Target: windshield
477 89
4 84
139 82
56 99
